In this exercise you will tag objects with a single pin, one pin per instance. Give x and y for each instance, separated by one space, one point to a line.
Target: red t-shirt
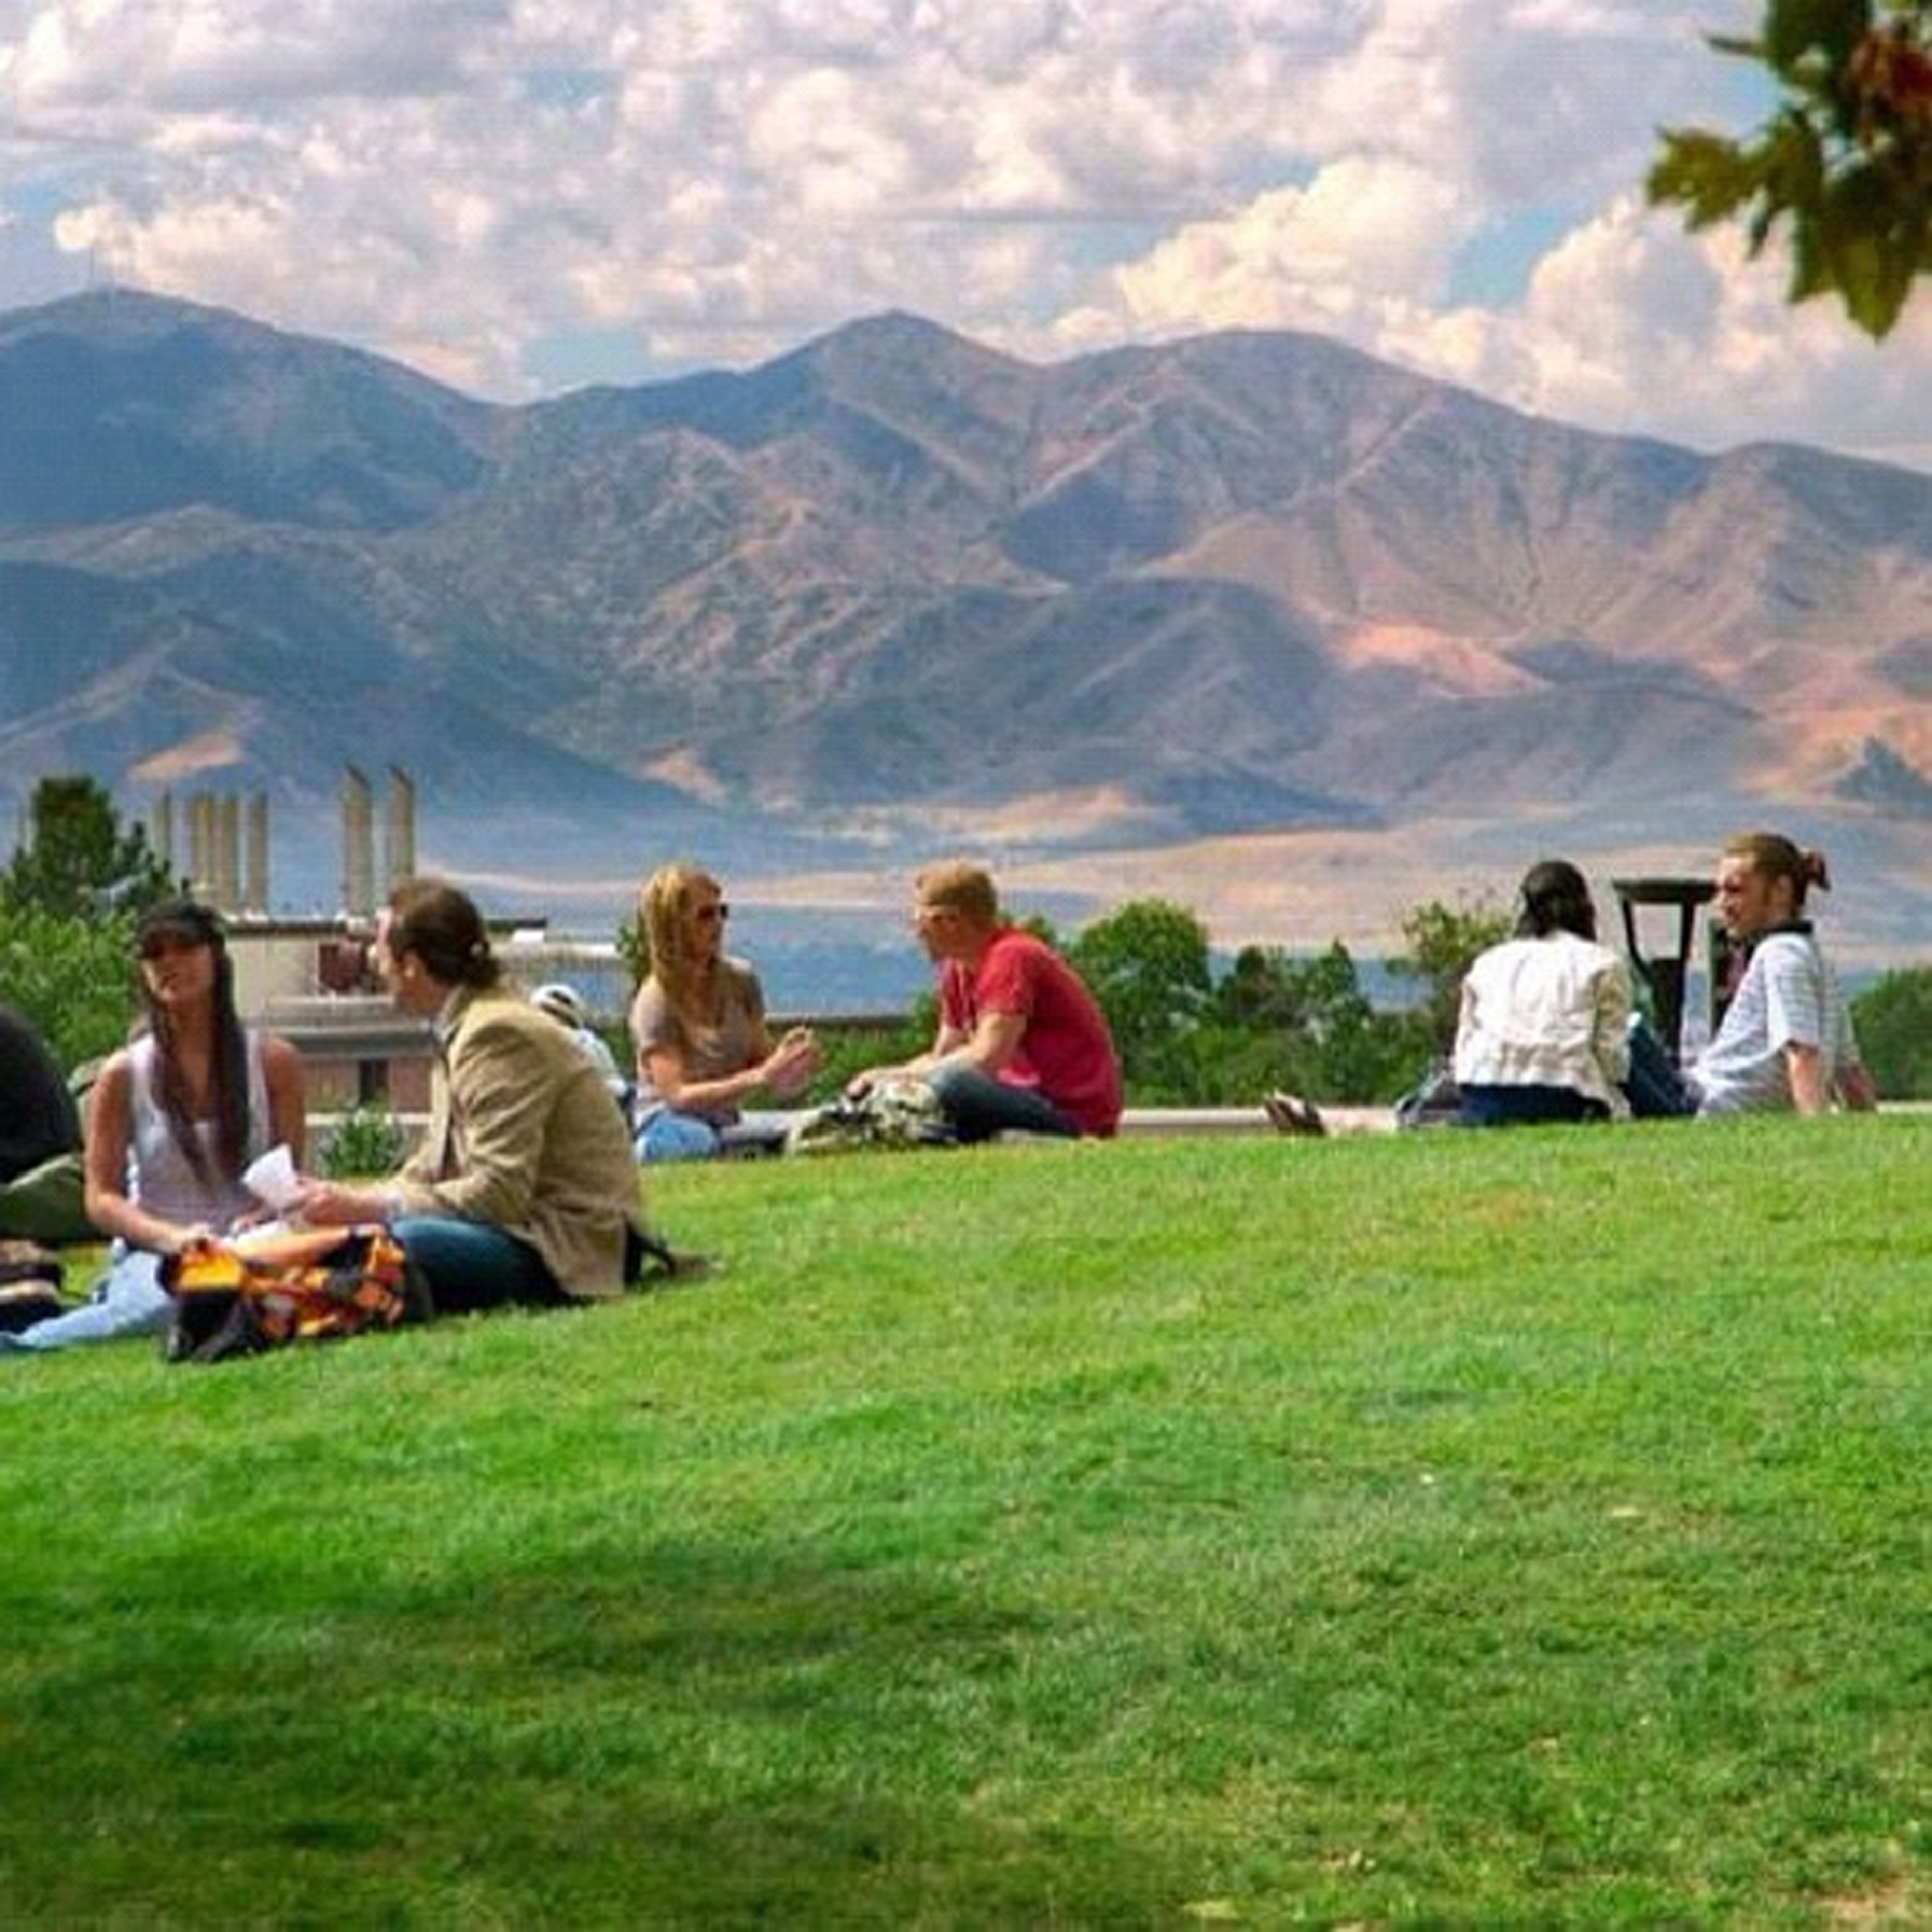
1066 1052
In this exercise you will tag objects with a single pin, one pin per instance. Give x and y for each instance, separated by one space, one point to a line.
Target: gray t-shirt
708 1053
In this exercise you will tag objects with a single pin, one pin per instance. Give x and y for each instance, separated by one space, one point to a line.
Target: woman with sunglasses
172 1122
704 1048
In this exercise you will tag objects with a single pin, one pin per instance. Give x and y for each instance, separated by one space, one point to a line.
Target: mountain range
1193 617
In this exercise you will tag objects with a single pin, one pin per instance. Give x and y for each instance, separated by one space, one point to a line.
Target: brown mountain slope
894 585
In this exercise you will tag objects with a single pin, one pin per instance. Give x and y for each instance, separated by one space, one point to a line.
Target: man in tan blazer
525 1188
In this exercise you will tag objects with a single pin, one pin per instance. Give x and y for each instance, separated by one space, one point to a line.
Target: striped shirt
1789 997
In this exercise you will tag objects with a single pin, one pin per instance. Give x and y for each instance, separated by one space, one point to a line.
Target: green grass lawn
1457 1530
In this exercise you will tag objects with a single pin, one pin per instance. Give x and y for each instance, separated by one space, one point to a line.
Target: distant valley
1250 621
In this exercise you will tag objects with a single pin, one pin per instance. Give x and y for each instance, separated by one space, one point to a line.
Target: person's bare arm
781 1068
109 1134
1804 1068
287 1105
994 1042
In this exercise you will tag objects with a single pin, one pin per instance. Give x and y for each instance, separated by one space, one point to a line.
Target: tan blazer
523 1134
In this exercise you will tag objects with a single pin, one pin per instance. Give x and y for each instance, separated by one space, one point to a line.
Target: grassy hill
1445 1529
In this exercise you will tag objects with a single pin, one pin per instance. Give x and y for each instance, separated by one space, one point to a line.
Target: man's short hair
960 887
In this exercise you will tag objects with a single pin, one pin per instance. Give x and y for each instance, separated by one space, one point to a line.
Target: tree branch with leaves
1846 159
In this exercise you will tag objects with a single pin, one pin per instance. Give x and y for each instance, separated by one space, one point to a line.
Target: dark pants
978 1106
470 1265
1524 1106
47 1202
1655 1089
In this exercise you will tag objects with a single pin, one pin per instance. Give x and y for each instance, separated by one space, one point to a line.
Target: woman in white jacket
1544 1031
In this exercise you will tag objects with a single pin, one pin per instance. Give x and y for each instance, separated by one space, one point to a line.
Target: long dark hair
1555 898
189 920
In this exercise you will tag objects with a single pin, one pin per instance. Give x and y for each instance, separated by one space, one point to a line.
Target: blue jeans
979 1106
665 1135
471 1265
128 1300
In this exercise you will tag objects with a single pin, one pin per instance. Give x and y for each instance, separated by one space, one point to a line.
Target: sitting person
1021 1043
697 1022
173 1121
523 1190
1785 1043
42 1189
1543 1031
565 1005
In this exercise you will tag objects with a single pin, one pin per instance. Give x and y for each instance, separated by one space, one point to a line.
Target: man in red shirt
1021 1044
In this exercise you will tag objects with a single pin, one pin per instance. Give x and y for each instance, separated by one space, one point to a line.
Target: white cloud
461 182
1631 308
1363 233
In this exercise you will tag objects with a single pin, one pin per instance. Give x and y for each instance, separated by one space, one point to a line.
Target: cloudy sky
519 196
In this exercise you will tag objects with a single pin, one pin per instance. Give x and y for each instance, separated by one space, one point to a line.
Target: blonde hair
961 887
1771 856
664 903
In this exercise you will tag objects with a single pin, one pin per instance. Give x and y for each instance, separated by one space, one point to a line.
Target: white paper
272 1179
260 1234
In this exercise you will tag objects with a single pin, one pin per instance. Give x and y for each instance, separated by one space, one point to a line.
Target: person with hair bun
523 1190
173 1121
1785 1043
1543 1033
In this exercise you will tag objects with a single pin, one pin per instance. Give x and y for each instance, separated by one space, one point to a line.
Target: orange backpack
253 1293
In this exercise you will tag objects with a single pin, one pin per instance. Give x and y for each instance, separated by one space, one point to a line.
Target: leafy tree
1261 988
1306 1024
1893 1018
1846 158
78 858
633 949
1358 1053
1148 965
72 977
1442 940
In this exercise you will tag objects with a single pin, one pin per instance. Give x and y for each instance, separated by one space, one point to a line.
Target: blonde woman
697 1022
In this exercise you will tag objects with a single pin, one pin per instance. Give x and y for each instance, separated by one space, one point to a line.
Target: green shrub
367 1140
1894 1021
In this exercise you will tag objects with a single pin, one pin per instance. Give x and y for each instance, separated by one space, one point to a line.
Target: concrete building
310 980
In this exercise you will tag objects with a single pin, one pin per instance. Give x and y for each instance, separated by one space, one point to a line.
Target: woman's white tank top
158 1176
